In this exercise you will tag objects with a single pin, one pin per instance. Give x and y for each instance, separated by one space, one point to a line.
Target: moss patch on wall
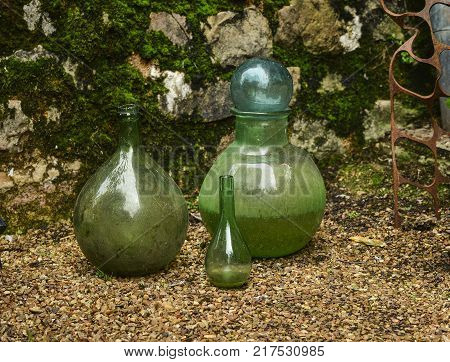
100 36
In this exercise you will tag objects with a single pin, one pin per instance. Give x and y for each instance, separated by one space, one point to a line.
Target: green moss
14 32
34 215
185 146
353 214
344 110
364 177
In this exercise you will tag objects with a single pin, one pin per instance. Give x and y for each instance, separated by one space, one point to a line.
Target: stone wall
65 67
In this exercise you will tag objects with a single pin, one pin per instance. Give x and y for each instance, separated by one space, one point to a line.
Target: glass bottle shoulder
278 154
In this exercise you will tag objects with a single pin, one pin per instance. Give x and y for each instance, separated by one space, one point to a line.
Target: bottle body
228 260
279 192
130 217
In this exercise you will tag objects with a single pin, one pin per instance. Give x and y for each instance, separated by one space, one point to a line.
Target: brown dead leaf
368 241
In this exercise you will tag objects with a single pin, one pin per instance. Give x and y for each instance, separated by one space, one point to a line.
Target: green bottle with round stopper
130 217
279 191
228 260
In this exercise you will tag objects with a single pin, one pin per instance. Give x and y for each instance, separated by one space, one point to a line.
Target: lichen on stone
173 26
33 14
377 120
177 90
350 40
313 22
331 83
234 37
14 128
94 56
315 137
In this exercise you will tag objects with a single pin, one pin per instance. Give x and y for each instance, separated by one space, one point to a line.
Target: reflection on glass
228 260
279 192
130 218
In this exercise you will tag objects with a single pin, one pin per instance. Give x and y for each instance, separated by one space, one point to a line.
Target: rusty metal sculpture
2 230
395 89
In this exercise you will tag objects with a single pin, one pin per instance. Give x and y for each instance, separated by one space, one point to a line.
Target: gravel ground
359 280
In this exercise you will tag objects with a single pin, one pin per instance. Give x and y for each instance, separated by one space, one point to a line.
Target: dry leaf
368 241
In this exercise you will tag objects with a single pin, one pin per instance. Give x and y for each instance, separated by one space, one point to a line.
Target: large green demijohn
130 218
279 192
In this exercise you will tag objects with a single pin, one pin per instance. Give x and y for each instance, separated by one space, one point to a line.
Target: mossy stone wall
84 73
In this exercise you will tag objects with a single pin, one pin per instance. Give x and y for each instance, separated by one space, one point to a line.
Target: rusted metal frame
429 100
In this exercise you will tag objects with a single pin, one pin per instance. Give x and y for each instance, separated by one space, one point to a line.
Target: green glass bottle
228 260
279 192
130 218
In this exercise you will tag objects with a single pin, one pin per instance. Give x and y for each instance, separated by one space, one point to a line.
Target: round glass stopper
261 85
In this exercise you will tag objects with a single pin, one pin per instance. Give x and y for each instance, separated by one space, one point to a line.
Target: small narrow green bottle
228 260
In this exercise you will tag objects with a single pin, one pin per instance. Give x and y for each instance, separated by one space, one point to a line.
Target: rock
313 22
73 166
295 74
425 133
31 56
14 128
47 26
39 170
172 25
213 103
350 40
387 30
6 182
36 310
315 137
70 68
52 173
371 5
235 37
330 84
147 68
22 177
53 115
377 120
178 91
32 14
177 88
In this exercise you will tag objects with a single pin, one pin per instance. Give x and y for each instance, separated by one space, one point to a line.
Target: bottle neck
226 193
261 132
129 131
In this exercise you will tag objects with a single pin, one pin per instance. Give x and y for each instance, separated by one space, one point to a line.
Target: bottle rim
226 177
